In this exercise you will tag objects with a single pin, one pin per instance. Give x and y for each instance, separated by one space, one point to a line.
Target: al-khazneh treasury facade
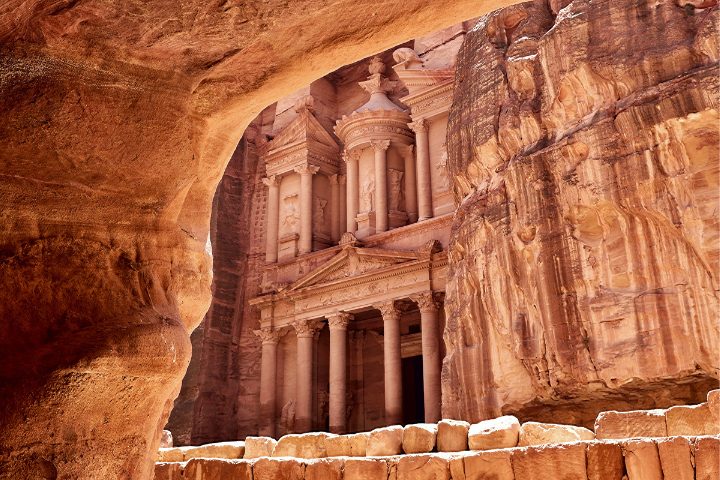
357 220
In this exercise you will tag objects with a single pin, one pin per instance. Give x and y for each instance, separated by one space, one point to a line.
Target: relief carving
291 214
367 194
396 183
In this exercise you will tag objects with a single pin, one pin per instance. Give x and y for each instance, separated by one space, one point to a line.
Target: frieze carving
339 320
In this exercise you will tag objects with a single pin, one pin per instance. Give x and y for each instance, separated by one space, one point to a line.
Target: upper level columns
338 324
431 355
392 362
353 200
273 219
335 227
410 184
381 201
304 376
268 370
306 200
423 169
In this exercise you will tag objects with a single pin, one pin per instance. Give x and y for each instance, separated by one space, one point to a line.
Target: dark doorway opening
412 380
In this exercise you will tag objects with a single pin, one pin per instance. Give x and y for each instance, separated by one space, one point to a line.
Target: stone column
424 187
268 370
392 362
381 200
304 375
353 200
432 360
338 323
411 205
306 200
343 203
335 207
273 219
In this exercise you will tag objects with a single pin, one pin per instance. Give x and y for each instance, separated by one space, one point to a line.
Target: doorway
412 380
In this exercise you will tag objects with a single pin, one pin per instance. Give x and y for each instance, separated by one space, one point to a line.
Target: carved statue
407 57
441 166
291 214
287 417
367 194
323 407
320 204
396 192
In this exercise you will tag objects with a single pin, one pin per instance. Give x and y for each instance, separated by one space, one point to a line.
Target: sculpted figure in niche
290 213
287 417
367 194
320 204
395 177
441 167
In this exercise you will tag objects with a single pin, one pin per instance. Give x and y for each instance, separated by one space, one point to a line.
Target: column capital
307 169
407 150
337 179
339 320
270 181
380 145
426 302
307 328
419 125
388 310
269 335
349 155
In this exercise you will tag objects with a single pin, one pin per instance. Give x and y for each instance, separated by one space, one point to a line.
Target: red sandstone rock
366 469
168 471
166 441
229 450
565 461
502 432
304 445
636 423
419 438
605 461
353 445
385 441
535 433
423 467
452 435
495 465
706 452
259 447
642 460
219 469
325 469
278 469
675 458
691 420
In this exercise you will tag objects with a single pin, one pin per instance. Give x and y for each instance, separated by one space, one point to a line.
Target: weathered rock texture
117 121
583 143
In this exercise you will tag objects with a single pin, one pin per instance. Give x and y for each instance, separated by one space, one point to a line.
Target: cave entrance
412 384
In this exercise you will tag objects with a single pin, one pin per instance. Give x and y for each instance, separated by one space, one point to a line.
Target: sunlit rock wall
584 259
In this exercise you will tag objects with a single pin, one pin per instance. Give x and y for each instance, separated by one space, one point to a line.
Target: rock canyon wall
583 143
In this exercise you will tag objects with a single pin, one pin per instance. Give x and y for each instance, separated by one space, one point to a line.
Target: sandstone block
215 450
304 445
605 461
423 467
501 432
691 420
632 424
166 439
566 461
535 433
419 438
675 458
354 445
217 469
175 454
452 435
256 447
385 441
324 469
642 460
706 451
713 401
168 471
278 469
490 465
366 469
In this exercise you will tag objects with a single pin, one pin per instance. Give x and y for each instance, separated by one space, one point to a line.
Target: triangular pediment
352 262
304 129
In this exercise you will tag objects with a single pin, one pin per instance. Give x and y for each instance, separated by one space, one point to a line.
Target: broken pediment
304 129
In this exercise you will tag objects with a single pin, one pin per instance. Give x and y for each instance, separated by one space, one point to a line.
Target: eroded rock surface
583 144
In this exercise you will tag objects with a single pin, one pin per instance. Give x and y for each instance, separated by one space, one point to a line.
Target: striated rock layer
583 142
118 119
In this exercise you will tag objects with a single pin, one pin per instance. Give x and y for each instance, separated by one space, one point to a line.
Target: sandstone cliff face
584 262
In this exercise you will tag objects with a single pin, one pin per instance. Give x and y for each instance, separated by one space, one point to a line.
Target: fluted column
392 362
353 199
424 187
304 375
381 200
338 323
268 370
335 207
410 178
432 361
306 200
273 219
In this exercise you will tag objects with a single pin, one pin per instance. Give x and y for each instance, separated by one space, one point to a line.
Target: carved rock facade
583 266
